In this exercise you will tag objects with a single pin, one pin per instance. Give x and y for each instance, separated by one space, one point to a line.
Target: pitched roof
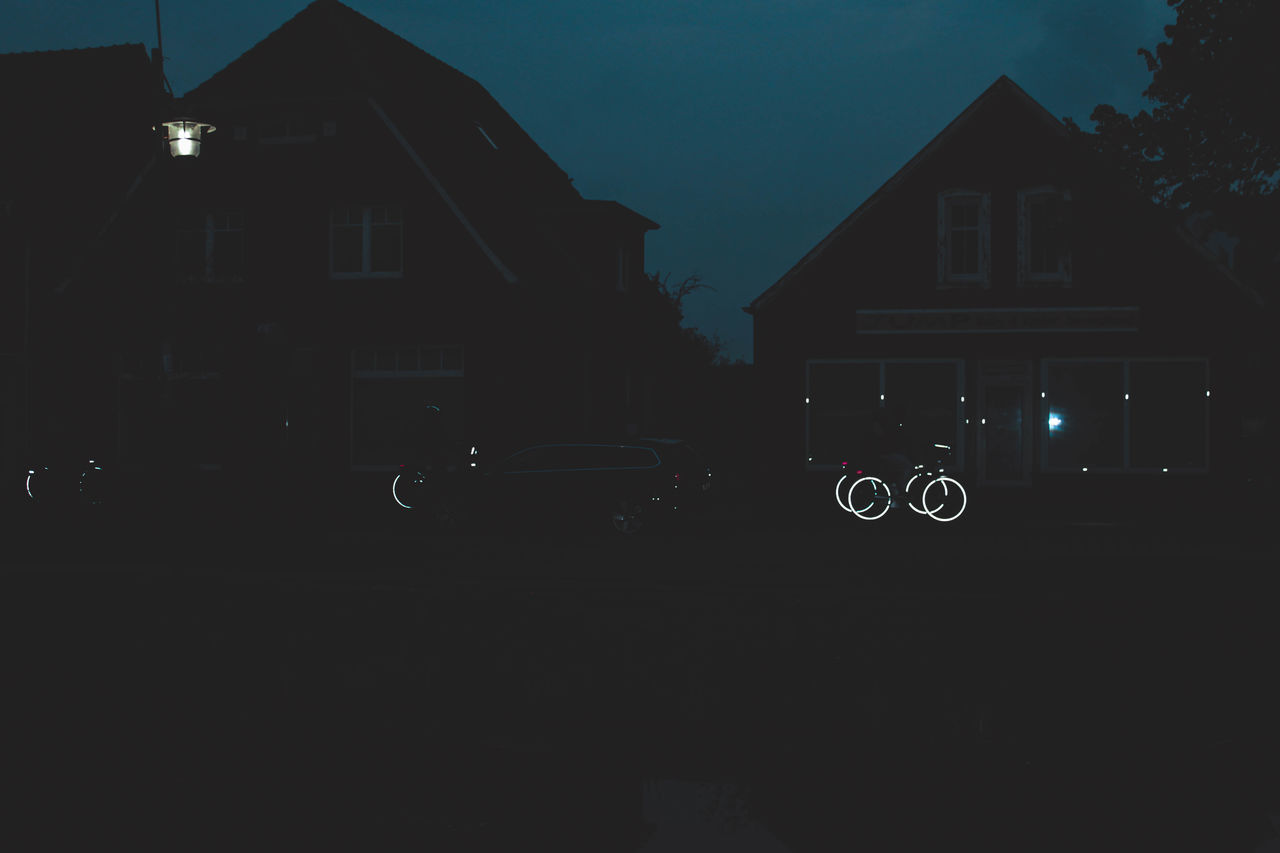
487 169
329 50
81 124
1002 88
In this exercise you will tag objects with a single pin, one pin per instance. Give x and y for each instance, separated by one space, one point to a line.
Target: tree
661 307
1211 143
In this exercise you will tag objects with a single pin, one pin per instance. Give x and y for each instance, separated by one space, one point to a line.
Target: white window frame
409 372
1062 276
366 242
958 451
1046 402
982 277
210 228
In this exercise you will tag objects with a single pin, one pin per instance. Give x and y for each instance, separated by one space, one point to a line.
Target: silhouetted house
365 234
77 136
1007 295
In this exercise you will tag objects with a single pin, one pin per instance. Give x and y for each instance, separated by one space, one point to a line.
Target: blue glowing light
1054 421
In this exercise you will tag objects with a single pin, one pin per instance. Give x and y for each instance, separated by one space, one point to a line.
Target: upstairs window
1044 247
210 246
964 238
366 241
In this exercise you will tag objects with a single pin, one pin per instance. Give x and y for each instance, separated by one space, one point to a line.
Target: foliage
1211 143
662 305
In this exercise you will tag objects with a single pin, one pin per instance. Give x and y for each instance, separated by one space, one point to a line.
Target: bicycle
929 491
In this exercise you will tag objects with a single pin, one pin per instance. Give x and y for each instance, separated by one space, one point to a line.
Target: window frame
366 241
209 229
946 199
1027 277
882 363
457 372
1126 467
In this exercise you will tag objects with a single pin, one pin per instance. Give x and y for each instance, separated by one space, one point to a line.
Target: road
266 689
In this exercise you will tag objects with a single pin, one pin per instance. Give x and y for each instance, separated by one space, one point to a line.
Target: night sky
747 129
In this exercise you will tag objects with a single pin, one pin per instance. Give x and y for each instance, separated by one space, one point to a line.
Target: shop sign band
950 321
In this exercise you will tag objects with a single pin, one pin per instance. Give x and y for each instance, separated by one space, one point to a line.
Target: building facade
366 235
1005 295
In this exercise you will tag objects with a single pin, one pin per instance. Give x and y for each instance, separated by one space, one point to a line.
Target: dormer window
964 238
1044 246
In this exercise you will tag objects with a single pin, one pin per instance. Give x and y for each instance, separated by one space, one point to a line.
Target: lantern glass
184 134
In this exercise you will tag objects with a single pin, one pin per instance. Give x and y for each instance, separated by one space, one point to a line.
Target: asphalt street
957 683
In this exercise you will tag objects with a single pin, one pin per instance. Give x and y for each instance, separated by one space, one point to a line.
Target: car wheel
628 516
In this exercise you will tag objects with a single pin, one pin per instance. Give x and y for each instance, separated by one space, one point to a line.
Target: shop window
964 238
1044 236
926 397
392 390
1085 415
1126 415
844 397
389 418
1168 413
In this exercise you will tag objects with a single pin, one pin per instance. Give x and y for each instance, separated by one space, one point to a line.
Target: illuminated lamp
183 135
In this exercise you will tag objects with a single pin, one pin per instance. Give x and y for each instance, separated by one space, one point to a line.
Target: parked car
628 485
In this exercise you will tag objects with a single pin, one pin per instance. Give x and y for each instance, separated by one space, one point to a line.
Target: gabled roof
329 50
1002 88
484 166
79 122
55 101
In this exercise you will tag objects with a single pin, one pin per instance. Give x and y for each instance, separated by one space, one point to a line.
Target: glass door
1004 424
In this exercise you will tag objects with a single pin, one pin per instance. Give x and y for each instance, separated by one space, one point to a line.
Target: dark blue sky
748 129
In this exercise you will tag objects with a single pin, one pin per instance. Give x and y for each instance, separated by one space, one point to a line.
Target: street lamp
183 135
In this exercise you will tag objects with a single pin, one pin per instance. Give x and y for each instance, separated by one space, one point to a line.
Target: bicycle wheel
409 490
868 498
915 492
944 499
841 492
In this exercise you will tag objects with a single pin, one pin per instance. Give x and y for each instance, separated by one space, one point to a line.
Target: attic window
1044 246
486 136
964 238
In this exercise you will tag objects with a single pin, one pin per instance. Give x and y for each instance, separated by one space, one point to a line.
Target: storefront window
1167 414
845 397
1085 414
925 396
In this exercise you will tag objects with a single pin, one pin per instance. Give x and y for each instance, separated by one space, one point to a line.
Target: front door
1004 423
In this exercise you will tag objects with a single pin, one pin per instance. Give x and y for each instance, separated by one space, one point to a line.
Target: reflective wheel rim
866 506
398 493
915 478
839 494
948 484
